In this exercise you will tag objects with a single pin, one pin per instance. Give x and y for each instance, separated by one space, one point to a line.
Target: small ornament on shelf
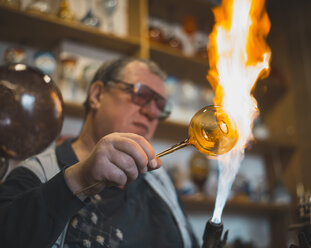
180 179
86 75
40 6
68 82
189 30
172 35
155 31
240 189
201 41
45 61
174 42
199 169
109 9
260 130
14 55
65 12
90 19
172 90
190 98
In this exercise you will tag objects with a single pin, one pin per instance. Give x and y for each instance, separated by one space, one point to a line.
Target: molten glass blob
210 131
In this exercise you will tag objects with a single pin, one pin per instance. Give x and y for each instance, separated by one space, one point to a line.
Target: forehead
136 71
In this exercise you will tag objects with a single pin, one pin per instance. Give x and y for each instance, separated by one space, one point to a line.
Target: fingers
153 161
133 154
136 147
117 159
127 165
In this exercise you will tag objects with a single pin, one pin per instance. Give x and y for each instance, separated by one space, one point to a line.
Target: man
95 190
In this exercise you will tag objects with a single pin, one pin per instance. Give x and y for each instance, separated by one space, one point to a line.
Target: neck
85 142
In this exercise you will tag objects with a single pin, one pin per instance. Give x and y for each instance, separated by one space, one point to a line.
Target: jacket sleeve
194 238
33 214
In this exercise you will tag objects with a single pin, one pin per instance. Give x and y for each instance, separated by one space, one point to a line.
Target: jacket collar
65 154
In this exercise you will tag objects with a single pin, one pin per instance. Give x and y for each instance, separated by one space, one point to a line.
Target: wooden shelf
47 31
72 109
174 11
267 92
176 63
198 204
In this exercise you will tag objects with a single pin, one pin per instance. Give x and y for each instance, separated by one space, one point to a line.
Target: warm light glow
58 106
238 56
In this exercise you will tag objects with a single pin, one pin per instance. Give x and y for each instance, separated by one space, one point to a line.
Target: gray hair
114 69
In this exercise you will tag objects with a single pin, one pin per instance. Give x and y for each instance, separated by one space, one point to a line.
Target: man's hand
117 159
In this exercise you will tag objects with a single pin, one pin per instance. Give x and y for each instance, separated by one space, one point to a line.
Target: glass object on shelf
171 29
109 9
86 75
172 35
14 55
65 12
261 192
90 19
45 61
12 3
190 97
189 29
240 189
174 42
260 130
202 52
201 41
210 131
41 6
68 82
280 194
189 25
172 89
155 30
199 170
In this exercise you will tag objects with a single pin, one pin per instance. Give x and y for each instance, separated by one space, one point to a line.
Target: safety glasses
142 95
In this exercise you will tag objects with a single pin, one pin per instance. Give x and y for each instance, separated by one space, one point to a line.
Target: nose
151 110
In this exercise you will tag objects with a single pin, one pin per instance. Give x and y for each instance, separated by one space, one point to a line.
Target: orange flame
238 56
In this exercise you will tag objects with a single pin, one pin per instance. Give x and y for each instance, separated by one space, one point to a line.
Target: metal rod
174 148
86 188
161 154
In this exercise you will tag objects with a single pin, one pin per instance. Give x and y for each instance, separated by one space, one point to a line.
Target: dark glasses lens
142 95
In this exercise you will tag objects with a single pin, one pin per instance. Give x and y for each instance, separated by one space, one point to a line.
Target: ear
95 94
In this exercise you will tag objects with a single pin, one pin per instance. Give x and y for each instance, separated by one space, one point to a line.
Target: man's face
117 112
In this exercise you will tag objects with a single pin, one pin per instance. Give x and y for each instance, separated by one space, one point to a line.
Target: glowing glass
210 131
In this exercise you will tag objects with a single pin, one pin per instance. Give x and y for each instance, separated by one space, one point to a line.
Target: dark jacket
33 214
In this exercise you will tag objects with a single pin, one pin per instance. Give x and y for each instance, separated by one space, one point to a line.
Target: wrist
75 182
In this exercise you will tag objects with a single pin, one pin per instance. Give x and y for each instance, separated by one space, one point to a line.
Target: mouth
141 126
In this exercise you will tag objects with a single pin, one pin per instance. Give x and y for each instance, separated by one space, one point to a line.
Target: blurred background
69 40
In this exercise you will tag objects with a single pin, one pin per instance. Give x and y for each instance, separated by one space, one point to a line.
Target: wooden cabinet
46 32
